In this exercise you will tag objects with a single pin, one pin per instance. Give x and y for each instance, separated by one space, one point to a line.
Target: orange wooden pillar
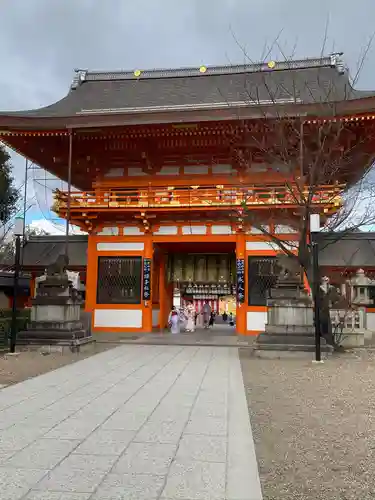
32 285
163 299
91 275
147 304
32 290
241 307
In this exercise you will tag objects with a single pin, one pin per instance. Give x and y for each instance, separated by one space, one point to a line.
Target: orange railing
194 196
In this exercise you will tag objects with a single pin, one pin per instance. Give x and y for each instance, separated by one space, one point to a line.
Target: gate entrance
201 280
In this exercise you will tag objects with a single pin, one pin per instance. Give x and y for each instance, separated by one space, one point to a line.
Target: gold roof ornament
271 64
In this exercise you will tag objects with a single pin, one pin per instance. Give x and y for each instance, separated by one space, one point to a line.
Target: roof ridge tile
333 60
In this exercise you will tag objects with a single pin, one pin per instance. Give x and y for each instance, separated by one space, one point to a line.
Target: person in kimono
183 319
199 321
174 321
190 316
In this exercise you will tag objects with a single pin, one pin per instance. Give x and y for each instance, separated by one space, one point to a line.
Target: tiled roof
41 251
305 81
352 250
7 280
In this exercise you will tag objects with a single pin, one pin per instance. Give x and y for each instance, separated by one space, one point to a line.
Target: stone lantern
360 288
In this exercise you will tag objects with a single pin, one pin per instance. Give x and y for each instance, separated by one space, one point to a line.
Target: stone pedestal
290 324
55 315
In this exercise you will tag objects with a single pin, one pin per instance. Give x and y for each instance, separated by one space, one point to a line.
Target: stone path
135 422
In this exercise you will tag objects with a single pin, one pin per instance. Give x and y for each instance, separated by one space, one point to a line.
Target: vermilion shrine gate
161 174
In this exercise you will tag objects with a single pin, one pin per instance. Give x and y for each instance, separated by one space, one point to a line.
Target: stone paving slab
132 423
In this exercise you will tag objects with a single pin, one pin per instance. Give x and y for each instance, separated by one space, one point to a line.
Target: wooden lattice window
119 280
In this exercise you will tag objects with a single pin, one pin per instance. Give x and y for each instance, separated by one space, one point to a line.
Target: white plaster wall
282 167
196 169
280 229
169 171
194 229
114 172
222 169
260 245
109 231
268 245
135 172
256 320
221 230
166 230
370 320
120 246
131 230
292 246
155 317
257 167
118 318
255 230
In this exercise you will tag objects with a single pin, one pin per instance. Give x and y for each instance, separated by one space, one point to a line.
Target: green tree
8 193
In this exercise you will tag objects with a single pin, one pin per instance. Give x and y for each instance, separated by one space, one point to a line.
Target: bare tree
321 157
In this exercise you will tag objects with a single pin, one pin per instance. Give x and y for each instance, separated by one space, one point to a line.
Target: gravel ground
314 426
30 363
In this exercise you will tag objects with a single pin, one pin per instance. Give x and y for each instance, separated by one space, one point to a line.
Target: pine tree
8 193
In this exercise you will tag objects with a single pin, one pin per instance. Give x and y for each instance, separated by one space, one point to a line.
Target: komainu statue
59 267
289 267
57 280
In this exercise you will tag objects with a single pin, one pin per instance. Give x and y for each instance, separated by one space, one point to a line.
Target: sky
42 41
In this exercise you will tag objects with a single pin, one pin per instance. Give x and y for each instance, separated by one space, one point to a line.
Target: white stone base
353 339
259 353
56 313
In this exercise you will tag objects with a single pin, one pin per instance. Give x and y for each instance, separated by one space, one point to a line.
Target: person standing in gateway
190 315
206 314
174 321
